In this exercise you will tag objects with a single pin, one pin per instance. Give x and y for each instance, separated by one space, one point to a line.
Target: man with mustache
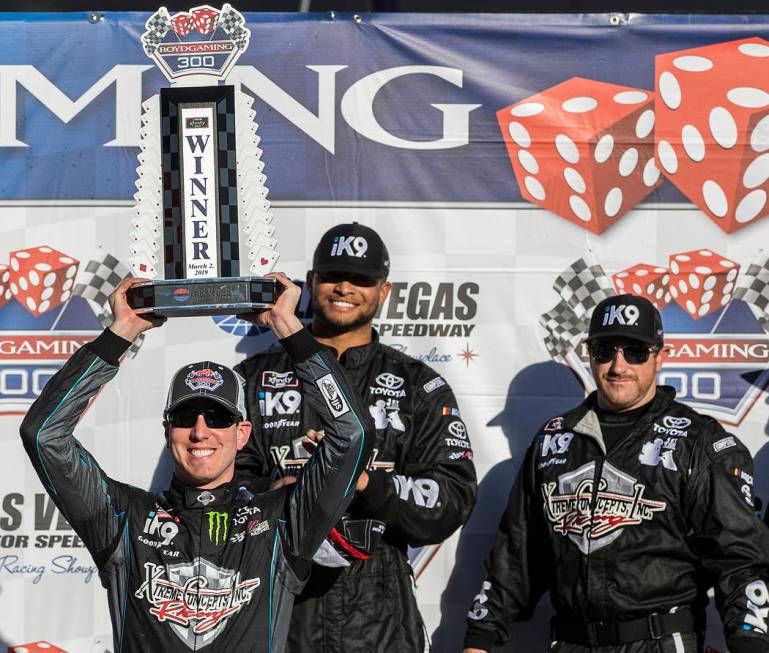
627 509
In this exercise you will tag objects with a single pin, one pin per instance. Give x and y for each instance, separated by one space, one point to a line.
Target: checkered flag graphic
233 23
101 276
582 286
230 20
564 329
753 288
157 27
240 38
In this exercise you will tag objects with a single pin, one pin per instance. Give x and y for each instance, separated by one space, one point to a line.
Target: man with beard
419 486
628 509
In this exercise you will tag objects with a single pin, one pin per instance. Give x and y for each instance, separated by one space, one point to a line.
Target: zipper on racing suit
636 428
593 501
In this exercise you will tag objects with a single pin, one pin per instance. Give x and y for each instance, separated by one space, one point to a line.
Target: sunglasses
635 354
215 418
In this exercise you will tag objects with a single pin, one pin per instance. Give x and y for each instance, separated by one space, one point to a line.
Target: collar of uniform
358 356
192 497
585 420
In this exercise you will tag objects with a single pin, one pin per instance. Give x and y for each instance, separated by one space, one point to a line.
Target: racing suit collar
356 357
186 496
584 419
359 356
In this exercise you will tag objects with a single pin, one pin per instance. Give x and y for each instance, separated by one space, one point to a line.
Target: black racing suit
421 486
671 516
192 569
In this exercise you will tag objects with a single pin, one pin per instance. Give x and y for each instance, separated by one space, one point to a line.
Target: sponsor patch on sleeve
332 395
436 383
724 443
450 411
741 473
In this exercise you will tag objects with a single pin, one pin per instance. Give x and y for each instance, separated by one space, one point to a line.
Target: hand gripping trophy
202 220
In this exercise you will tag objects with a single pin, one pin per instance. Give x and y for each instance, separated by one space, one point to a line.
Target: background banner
519 168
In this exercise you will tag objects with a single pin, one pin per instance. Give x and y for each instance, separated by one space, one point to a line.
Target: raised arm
327 482
89 500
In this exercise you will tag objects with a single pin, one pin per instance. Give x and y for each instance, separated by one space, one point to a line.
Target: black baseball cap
207 380
353 248
626 316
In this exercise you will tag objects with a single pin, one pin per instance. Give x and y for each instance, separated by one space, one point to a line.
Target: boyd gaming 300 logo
43 321
201 41
715 323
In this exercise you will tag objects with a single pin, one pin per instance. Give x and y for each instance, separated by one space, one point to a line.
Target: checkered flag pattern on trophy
753 288
233 23
157 27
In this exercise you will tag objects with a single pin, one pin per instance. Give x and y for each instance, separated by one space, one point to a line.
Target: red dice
36 647
5 286
41 278
204 19
583 149
182 23
702 281
650 281
712 128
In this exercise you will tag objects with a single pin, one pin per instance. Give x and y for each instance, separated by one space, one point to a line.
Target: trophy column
202 217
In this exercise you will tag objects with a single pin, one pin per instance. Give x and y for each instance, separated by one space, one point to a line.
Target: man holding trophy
217 558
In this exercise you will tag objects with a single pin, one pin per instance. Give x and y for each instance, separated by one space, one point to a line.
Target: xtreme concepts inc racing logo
592 523
196 599
44 319
715 320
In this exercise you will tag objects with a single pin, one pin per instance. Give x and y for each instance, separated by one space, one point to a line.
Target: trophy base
211 296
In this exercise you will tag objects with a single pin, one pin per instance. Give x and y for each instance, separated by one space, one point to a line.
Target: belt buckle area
655 626
602 633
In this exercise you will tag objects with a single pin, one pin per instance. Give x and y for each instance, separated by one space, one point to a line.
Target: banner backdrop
518 167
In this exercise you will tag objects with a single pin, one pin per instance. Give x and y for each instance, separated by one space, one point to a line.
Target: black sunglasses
636 353
215 418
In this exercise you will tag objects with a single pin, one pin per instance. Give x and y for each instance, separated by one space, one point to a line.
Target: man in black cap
418 488
628 509
215 561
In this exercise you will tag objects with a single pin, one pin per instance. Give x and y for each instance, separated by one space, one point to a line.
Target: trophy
202 221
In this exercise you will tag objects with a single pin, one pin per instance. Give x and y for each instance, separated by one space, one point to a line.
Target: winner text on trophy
202 220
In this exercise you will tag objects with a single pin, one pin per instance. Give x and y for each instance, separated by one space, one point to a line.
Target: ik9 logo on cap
349 245
626 314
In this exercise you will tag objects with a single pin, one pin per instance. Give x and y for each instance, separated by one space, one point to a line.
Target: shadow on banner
535 394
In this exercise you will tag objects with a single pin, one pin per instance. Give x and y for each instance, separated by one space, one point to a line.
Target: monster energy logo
217 525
